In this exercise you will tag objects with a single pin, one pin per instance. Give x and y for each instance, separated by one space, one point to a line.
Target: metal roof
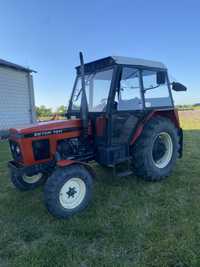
14 66
138 62
109 61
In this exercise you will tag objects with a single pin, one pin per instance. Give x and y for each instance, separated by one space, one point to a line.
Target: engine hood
46 128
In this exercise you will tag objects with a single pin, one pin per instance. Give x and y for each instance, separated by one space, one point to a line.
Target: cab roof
111 60
138 62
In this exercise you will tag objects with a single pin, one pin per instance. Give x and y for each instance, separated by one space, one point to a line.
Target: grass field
129 223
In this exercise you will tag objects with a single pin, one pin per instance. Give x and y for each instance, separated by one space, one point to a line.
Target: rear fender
180 133
171 114
67 162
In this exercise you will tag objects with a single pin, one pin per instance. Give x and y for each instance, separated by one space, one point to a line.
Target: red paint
64 163
48 125
26 143
171 114
100 126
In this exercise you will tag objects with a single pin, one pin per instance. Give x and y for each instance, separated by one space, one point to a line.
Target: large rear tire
68 191
157 149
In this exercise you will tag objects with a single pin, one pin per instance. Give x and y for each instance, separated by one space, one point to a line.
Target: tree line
43 111
188 107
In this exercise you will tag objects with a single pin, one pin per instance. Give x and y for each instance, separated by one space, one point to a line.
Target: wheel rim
162 150
32 179
72 193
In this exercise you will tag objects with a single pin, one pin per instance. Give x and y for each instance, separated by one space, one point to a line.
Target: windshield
97 86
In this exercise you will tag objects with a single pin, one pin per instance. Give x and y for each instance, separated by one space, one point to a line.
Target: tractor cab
120 92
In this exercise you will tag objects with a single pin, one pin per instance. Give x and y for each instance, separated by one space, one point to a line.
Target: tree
61 110
43 111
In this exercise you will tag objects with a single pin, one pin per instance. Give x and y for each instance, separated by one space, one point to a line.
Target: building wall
16 98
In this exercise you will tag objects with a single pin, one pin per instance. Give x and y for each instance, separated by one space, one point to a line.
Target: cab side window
156 91
128 96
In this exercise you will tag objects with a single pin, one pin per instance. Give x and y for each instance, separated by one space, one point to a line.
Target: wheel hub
72 193
162 150
159 149
32 179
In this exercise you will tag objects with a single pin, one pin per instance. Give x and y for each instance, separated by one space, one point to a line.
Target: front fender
67 162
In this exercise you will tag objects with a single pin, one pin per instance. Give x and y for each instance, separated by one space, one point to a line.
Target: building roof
14 66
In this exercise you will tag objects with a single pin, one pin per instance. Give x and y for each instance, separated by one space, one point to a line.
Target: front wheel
157 149
25 182
68 191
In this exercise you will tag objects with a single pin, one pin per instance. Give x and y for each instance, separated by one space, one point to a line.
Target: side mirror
178 87
160 77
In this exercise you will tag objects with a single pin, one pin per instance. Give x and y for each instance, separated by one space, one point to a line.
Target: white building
17 104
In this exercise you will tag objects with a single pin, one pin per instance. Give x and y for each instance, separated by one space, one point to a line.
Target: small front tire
68 191
24 182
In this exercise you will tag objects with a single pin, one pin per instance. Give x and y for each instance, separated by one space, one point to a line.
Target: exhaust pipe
84 104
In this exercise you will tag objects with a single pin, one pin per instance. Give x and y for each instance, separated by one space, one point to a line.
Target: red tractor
121 114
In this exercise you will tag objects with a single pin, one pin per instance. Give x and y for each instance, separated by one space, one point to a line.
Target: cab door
128 106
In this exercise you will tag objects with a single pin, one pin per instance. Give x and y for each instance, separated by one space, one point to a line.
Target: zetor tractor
121 114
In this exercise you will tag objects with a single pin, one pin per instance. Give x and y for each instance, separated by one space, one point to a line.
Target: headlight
15 150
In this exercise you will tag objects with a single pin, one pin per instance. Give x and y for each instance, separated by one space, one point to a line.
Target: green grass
129 223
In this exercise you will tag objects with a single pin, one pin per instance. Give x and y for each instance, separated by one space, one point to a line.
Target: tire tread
140 148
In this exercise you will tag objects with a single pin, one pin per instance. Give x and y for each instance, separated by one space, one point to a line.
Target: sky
47 35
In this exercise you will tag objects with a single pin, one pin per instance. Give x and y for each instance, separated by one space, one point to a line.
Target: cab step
123 169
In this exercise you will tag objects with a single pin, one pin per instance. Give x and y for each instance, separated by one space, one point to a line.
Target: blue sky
47 36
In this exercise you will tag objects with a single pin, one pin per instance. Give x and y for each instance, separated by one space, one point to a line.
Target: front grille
41 149
15 150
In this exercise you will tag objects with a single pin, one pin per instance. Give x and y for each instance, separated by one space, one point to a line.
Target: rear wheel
162 150
68 191
25 182
157 149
